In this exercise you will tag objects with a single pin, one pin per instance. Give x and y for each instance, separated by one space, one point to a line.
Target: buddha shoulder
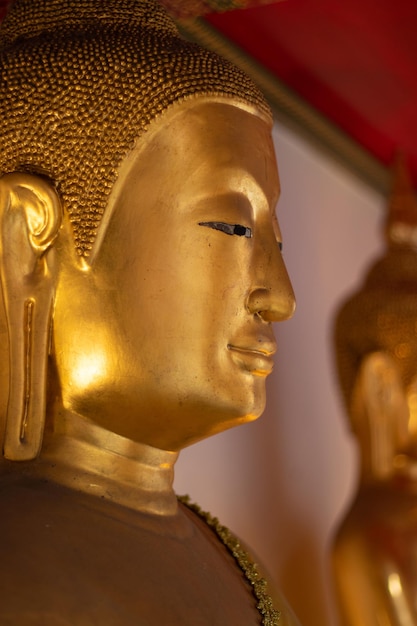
70 557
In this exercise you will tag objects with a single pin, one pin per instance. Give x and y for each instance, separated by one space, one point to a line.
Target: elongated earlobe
30 213
379 413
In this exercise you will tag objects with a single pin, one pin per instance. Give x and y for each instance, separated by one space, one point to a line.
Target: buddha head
376 344
140 253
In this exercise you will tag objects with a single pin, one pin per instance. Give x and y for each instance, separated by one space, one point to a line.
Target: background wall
283 482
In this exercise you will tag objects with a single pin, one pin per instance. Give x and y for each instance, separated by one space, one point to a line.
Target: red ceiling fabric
356 62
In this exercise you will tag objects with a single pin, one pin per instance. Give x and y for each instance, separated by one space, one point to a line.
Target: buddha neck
87 458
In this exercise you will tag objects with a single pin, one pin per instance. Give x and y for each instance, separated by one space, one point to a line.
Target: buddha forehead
197 152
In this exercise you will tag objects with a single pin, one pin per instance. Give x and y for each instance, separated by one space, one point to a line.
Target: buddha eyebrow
229 229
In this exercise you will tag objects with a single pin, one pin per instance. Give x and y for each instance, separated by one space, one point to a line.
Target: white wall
282 482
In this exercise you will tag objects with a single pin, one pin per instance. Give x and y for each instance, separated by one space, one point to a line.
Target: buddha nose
272 296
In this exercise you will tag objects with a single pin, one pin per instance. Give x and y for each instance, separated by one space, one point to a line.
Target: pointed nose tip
271 305
273 299
282 307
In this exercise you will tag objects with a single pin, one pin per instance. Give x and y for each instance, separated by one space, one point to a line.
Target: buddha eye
229 229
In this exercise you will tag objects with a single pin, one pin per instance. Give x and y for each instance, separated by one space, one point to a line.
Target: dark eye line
229 229
233 229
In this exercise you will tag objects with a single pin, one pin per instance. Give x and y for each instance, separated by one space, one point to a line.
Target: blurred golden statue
141 271
375 549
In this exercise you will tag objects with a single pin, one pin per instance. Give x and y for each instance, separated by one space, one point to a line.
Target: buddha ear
379 412
30 214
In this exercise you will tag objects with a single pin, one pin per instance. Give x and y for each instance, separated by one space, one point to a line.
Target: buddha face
166 338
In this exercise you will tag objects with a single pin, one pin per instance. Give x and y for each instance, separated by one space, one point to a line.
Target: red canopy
355 61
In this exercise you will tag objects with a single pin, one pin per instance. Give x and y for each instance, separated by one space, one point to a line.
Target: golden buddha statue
375 548
141 271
